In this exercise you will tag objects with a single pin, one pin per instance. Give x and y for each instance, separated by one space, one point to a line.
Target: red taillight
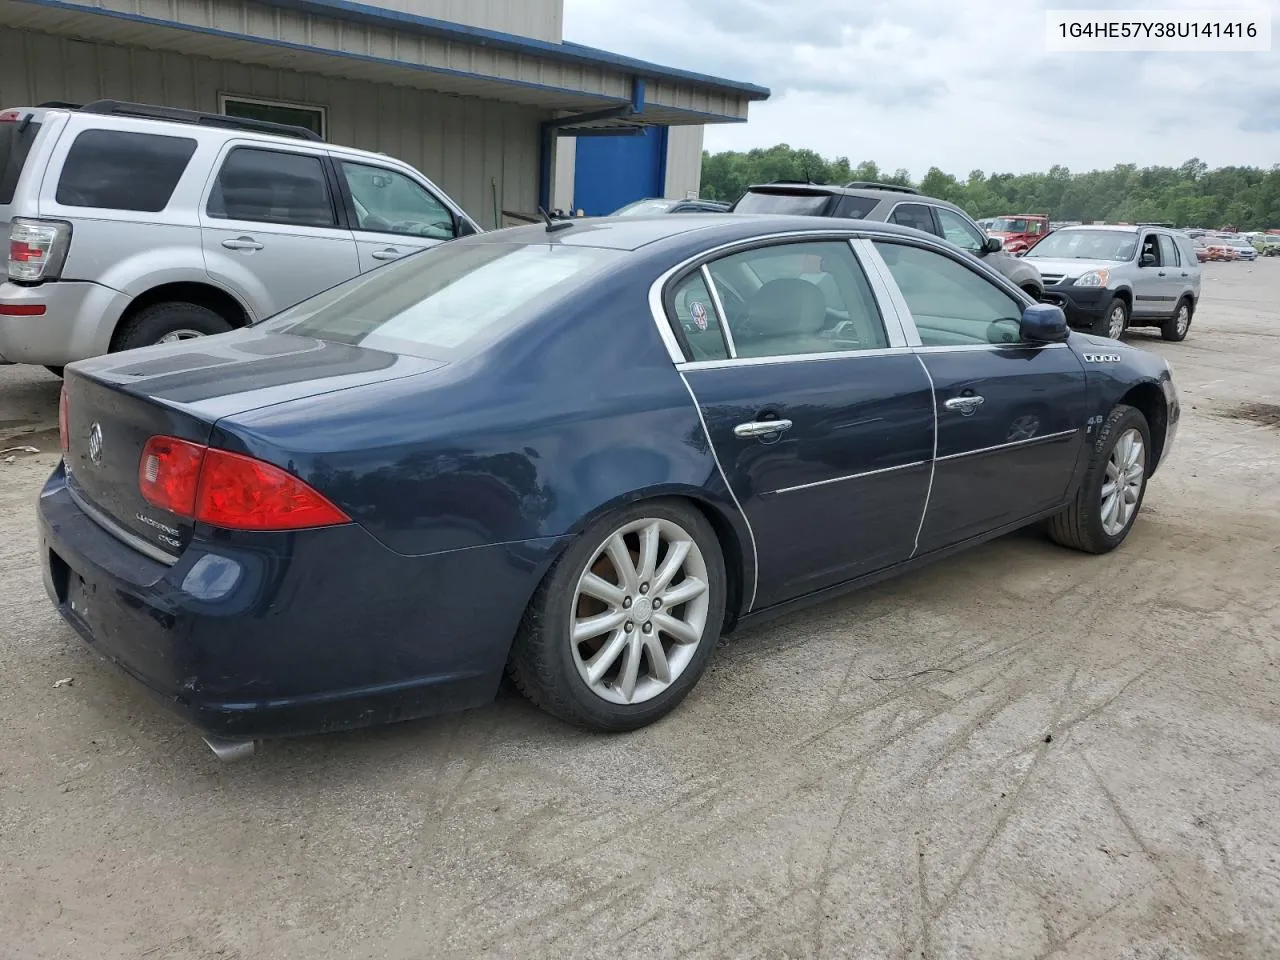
169 474
64 429
229 490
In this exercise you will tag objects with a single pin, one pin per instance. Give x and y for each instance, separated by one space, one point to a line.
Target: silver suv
131 224
1109 278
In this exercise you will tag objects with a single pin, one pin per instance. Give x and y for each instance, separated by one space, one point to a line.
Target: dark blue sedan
576 454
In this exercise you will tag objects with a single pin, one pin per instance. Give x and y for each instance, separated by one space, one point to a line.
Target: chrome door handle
390 253
242 243
965 405
760 428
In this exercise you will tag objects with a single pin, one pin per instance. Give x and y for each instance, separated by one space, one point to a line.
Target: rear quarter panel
535 437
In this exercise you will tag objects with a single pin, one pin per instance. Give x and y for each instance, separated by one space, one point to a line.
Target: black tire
1170 328
1080 525
151 324
542 660
56 371
1102 326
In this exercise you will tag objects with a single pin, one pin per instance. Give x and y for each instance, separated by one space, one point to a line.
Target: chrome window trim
722 318
1005 446
974 347
119 532
706 431
906 322
851 476
792 358
933 461
882 290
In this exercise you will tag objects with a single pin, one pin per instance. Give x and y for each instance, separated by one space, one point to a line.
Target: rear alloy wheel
1176 327
1109 498
624 624
169 323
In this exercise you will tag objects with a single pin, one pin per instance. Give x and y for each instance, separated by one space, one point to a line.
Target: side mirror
1148 260
993 245
1043 323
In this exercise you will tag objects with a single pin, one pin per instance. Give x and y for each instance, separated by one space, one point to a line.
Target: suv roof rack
57 105
779 182
123 108
871 185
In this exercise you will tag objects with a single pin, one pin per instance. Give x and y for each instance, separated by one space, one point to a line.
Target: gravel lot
1020 753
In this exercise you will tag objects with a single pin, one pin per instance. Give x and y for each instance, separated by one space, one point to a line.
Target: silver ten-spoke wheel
173 336
1122 485
639 611
1182 321
1115 321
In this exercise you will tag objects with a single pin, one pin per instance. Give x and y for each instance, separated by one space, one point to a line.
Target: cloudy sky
960 84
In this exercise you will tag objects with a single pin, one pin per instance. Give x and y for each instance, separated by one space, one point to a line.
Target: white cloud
921 83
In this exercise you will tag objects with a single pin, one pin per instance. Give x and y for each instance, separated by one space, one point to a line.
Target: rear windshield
15 143
447 299
803 204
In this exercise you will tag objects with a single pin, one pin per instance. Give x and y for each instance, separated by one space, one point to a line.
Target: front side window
951 304
439 305
118 170
960 231
387 201
1150 251
915 215
797 298
272 186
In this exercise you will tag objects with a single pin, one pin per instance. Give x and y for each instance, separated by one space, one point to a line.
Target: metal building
483 96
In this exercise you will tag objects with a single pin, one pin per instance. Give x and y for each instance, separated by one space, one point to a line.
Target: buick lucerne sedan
576 454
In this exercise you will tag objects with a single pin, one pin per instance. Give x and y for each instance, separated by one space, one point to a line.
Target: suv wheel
1176 327
169 322
1114 320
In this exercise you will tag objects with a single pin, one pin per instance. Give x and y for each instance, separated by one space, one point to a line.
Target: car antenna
552 225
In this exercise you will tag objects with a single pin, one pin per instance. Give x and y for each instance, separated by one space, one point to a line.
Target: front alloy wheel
626 620
1122 489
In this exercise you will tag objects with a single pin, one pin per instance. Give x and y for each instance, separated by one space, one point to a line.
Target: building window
274 111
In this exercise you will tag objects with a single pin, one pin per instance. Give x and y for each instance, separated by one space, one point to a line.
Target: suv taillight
229 490
37 249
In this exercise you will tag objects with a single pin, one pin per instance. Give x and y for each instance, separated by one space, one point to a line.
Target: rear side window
914 215
118 170
15 143
855 208
801 204
272 186
448 299
1168 251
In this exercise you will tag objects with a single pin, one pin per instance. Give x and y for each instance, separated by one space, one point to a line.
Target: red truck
1020 230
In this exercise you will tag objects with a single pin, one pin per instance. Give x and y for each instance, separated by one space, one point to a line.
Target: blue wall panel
613 171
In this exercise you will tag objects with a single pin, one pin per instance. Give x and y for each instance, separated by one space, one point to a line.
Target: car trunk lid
116 403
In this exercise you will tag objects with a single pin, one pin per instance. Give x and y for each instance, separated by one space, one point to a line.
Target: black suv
861 200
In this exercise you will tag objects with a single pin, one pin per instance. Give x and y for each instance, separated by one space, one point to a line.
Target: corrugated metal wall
466 145
684 161
540 19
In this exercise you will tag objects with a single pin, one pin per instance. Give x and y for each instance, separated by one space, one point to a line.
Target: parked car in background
132 224
372 505
1269 245
1019 231
657 205
1109 278
1219 251
1243 248
1201 248
862 200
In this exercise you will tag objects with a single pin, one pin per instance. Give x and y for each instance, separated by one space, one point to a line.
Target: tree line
1189 195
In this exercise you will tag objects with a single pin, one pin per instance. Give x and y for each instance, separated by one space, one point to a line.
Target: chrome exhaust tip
229 751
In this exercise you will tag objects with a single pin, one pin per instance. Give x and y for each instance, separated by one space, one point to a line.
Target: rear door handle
390 253
242 243
760 428
964 405
1160 274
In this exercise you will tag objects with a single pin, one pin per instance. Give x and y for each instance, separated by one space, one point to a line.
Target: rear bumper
78 321
282 634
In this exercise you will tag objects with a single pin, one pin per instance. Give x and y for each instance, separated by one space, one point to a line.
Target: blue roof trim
478 36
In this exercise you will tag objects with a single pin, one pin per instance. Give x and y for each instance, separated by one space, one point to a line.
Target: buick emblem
95 444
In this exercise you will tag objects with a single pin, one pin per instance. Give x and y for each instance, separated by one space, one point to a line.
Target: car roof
1111 227
632 233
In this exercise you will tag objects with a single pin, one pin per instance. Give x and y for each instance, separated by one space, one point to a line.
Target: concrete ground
1021 753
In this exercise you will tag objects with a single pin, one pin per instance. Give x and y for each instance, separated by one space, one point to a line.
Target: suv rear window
118 170
443 300
15 143
804 204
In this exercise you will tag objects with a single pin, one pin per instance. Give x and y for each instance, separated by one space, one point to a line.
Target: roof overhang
349 40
